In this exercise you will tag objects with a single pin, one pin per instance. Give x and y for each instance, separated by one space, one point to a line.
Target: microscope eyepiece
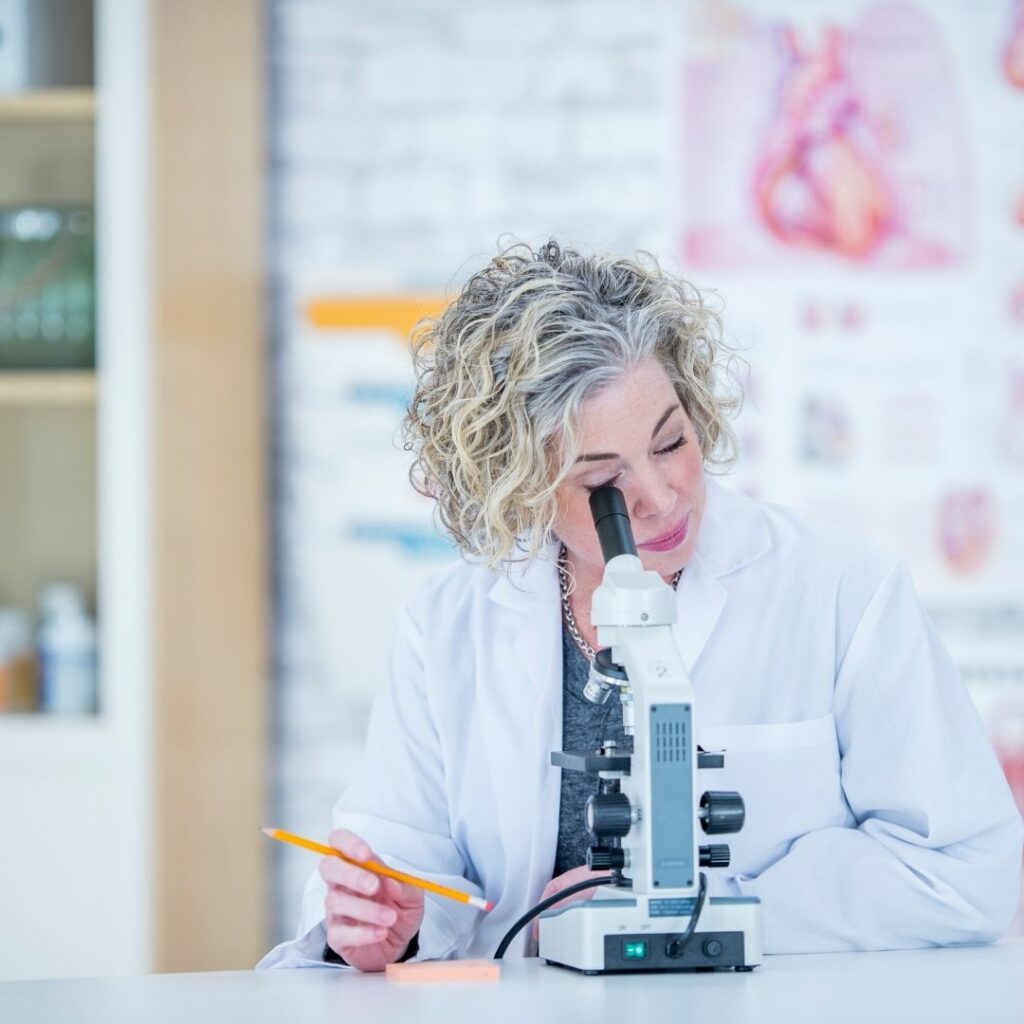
611 520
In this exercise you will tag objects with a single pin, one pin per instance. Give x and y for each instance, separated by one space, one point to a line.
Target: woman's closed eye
667 450
673 447
604 483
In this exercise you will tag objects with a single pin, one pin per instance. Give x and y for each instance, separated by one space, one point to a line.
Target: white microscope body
647 816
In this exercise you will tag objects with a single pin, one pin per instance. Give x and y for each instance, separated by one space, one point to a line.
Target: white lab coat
877 814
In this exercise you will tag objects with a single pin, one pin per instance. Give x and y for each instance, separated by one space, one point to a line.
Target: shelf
49 105
41 388
48 142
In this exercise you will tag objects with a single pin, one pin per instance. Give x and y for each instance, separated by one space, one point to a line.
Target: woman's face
635 435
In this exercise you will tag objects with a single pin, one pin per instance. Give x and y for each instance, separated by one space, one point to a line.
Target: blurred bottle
45 44
17 662
66 640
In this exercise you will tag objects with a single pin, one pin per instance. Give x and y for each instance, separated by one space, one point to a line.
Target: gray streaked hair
502 373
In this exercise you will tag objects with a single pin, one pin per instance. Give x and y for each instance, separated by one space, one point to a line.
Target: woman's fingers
364 909
350 844
341 935
401 895
361 895
335 871
564 881
341 903
338 872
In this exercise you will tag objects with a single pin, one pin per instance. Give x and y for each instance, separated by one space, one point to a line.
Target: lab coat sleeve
935 858
398 804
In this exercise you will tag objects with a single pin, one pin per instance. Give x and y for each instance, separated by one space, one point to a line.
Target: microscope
646 818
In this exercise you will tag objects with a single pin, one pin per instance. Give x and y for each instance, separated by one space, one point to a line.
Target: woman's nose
653 497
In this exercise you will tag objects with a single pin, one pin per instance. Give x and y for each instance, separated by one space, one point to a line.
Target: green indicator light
635 950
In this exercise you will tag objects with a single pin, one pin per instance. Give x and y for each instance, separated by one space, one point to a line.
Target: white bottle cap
58 599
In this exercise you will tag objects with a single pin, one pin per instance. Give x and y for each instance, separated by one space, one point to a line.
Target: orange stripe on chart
397 313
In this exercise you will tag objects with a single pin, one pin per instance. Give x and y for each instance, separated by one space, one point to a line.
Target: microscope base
607 935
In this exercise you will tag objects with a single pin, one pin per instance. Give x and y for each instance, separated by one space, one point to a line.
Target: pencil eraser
426 971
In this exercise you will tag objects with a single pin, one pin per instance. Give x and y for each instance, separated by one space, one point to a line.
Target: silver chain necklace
570 620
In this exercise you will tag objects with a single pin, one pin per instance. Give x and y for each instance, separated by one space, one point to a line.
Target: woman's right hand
370 919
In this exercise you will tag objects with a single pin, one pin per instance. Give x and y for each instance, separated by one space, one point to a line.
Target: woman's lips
670 540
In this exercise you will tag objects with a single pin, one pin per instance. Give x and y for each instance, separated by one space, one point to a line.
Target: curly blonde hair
502 373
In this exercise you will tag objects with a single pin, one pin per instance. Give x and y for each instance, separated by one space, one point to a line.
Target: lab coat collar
733 532
523 588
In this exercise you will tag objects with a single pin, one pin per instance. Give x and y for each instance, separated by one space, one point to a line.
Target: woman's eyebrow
598 456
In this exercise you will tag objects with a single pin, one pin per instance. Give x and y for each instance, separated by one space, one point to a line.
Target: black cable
590 883
685 937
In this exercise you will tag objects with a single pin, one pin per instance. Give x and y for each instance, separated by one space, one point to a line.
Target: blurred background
218 225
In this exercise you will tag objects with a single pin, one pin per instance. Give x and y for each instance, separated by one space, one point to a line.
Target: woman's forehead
642 393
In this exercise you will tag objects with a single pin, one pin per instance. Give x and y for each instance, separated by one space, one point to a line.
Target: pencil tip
268 831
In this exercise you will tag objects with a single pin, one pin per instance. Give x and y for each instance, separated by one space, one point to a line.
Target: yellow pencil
380 869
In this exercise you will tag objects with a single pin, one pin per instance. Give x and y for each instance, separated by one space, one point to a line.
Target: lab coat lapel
527 716
528 622
700 600
732 534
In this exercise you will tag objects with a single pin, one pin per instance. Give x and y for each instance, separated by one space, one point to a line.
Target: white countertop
983 984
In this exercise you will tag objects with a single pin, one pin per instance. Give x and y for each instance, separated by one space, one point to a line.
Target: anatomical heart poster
808 136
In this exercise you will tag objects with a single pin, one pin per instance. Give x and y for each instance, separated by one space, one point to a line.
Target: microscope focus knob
714 856
605 858
609 814
721 812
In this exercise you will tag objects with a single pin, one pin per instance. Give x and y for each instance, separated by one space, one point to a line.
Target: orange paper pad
444 970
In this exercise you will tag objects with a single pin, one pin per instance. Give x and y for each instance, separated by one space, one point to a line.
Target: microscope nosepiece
605 678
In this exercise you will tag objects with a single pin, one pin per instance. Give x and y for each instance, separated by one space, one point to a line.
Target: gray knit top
585 727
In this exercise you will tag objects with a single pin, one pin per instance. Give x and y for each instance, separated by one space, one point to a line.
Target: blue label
671 811
672 908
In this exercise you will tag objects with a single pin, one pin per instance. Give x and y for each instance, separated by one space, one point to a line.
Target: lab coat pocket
788 776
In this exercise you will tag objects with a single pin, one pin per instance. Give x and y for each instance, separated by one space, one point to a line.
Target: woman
877 815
